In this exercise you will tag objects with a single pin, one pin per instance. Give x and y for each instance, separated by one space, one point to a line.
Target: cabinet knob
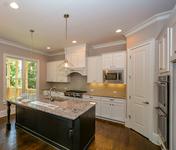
146 103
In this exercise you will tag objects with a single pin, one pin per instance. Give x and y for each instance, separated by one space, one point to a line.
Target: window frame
23 59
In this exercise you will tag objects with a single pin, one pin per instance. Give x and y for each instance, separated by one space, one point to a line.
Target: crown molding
109 44
13 44
151 20
57 54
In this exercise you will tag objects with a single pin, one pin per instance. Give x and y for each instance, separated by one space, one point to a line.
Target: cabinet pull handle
70 133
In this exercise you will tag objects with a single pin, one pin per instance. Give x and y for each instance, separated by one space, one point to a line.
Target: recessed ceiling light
118 30
74 42
48 47
14 5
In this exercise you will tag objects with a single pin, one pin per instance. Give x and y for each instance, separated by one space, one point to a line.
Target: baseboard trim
115 121
161 143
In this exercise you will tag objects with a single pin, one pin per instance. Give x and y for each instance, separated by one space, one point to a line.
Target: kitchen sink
50 106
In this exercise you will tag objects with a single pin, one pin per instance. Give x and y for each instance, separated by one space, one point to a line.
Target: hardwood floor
109 136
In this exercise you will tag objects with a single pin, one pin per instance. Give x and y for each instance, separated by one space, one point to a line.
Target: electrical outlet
91 90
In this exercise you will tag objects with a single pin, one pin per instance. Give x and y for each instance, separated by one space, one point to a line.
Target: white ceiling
90 21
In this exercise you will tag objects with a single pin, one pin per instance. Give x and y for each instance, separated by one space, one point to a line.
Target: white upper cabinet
94 69
115 60
51 71
56 72
173 41
164 49
76 56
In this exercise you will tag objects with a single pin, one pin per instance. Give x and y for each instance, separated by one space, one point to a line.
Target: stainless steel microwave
113 76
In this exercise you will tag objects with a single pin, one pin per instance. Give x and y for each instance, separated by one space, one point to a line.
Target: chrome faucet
50 94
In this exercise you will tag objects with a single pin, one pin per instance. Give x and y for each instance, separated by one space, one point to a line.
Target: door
140 85
21 77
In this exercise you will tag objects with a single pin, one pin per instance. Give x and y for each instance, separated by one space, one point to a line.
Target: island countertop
66 108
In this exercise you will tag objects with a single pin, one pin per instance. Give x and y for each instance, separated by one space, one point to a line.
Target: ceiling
91 21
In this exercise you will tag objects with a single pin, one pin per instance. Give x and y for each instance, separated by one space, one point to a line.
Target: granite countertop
67 108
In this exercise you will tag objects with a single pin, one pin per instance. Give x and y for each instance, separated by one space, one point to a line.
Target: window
21 77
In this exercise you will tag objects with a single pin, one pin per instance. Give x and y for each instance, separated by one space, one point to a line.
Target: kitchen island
66 124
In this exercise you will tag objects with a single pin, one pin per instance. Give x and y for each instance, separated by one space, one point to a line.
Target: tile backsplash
112 90
78 82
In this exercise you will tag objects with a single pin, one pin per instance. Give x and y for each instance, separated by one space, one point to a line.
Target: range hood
76 58
81 71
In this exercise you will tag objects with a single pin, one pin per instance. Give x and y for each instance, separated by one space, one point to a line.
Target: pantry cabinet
94 69
56 72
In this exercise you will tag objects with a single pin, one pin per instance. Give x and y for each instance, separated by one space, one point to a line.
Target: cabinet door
99 70
91 70
172 42
119 60
161 55
76 56
98 107
107 61
166 51
51 71
94 69
118 111
61 73
106 109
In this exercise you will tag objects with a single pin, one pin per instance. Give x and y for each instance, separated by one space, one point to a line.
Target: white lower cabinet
109 108
106 109
118 111
98 107
114 109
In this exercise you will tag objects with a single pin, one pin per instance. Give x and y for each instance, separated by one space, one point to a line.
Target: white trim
56 54
142 44
5 55
161 143
146 23
13 44
109 44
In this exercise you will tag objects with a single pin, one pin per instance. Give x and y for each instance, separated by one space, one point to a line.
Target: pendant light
66 16
32 40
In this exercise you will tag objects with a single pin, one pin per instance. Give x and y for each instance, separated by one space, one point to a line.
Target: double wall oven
163 108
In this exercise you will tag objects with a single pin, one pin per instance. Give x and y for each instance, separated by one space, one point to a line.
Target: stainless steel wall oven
163 108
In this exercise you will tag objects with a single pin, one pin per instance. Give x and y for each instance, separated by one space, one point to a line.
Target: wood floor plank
109 136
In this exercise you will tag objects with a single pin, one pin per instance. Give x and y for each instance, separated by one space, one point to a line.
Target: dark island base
60 132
